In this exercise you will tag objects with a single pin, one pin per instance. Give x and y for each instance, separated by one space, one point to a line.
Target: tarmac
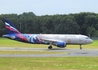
60 52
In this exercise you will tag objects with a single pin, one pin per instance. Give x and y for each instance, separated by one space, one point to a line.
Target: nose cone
90 41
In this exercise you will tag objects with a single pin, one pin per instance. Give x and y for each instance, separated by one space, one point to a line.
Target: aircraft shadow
58 49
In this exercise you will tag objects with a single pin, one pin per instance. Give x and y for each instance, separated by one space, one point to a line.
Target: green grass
60 63
32 52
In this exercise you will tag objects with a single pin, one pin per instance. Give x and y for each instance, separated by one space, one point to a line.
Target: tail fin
11 28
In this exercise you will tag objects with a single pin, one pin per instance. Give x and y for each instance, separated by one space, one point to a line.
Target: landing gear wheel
80 47
50 47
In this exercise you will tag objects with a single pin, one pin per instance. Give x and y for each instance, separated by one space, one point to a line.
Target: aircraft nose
91 40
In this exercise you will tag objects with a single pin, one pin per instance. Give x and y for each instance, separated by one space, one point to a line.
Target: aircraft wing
50 40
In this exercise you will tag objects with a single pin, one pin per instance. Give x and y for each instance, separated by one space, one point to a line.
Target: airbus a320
59 40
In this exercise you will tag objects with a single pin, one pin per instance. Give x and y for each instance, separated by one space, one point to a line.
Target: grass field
64 63
46 63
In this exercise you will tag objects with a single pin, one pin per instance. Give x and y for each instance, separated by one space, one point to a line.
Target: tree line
85 23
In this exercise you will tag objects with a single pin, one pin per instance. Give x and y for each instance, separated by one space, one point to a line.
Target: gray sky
49 7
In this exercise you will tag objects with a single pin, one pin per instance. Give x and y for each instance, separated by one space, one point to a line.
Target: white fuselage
68 38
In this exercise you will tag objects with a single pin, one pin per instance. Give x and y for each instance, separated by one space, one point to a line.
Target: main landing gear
50 46
80 47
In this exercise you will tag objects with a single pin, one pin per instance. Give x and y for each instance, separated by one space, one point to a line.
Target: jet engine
61 44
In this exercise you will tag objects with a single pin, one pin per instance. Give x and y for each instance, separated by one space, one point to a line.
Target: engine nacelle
61 44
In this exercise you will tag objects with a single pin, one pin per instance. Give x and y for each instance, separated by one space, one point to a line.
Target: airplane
59 40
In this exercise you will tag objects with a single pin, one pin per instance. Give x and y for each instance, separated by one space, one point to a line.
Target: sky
48 7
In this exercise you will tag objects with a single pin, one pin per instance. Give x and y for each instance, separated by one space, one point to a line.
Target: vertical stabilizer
11 28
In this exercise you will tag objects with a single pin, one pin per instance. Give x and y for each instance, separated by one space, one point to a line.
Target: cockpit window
87 38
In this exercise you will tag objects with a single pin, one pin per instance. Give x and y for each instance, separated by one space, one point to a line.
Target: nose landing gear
80 47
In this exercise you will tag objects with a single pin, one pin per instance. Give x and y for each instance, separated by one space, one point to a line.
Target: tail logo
11 30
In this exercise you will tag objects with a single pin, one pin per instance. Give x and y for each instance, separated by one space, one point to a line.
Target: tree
81 23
